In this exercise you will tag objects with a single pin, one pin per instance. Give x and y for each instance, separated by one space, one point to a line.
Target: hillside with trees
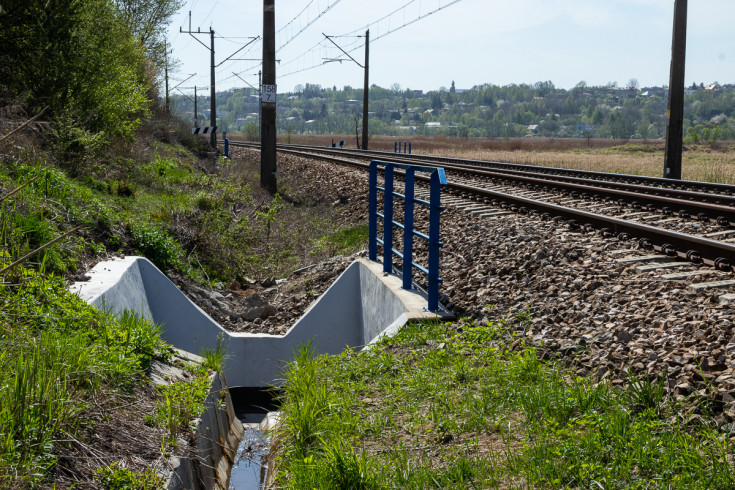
485 111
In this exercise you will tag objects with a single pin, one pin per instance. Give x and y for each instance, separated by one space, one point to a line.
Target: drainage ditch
363 304
252 406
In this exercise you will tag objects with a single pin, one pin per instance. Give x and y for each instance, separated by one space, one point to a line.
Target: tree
77 58
147 21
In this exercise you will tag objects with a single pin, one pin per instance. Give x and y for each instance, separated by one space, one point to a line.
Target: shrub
156 245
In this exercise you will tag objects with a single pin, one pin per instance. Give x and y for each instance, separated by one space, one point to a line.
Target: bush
156 245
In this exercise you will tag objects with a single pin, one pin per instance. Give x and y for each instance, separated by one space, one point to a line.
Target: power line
376 25
357 43
298 16
210 12
227 67
240 73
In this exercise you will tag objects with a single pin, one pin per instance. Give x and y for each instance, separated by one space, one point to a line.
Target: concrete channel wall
218 435
362 304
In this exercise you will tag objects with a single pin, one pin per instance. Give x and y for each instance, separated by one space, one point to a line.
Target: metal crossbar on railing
438 179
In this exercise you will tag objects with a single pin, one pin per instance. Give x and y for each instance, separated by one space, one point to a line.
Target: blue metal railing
402 147
438 179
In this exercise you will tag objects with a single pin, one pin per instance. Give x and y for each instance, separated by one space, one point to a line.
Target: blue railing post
409 147
408 229
434 240
227 146
438 179
395 147
373 212
388 220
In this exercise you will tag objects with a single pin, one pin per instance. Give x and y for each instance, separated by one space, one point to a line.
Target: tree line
94 66
487 111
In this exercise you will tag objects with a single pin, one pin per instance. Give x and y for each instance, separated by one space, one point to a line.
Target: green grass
180 404
214 359
449 406
56 352
204 219
344 241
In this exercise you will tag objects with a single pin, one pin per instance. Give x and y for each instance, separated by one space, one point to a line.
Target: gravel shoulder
602 317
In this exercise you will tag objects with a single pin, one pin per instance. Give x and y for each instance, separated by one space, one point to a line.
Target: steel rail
715 253
708 187
685 203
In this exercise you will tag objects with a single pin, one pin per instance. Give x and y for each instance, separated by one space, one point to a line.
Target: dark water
249 470
251 407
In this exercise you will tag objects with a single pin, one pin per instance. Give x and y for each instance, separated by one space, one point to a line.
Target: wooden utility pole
165 68
213 101
268 101
365 95
675 113
260 97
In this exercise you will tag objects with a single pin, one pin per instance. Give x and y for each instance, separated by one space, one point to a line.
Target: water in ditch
251 461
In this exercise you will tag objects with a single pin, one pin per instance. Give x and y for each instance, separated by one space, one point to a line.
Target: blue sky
471 42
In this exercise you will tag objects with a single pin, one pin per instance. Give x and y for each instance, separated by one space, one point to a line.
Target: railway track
612 303
685 221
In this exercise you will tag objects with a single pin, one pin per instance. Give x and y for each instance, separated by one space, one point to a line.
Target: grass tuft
450 406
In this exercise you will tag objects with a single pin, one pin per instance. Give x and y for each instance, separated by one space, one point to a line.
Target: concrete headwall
360 305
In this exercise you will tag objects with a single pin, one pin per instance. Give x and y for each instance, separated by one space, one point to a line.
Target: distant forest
485 111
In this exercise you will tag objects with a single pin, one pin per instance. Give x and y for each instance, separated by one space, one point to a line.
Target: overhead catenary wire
228 67
322 50
210 12
258 65
330 4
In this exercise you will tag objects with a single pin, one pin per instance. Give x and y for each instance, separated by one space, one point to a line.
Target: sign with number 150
268 95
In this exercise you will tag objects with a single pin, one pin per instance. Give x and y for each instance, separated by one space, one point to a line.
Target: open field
710 163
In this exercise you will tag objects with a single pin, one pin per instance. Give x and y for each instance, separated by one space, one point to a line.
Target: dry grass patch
708 163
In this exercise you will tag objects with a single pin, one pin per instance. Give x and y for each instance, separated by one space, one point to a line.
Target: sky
427 44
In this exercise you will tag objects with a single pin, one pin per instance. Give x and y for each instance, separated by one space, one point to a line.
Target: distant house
653 92
433 124
533 128
352 102
712 86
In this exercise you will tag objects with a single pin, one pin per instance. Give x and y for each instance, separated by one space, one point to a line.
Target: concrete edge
414 301
218 434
